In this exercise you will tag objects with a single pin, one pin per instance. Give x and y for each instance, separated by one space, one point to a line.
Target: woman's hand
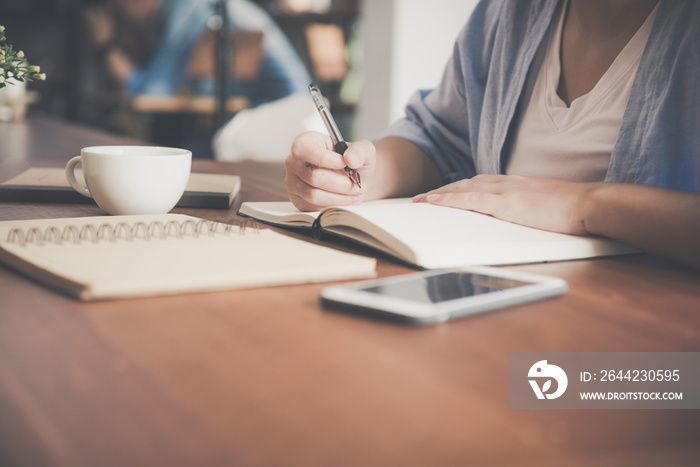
542 203
316 176
657 220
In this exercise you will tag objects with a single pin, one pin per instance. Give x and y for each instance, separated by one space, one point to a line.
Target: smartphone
440 295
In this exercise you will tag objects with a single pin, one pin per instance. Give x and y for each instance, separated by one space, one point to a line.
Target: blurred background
153 69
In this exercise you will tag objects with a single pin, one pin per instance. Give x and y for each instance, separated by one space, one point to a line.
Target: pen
339 145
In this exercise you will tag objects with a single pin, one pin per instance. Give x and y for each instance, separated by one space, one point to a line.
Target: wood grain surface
269 377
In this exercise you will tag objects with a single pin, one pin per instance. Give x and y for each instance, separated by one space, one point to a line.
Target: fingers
360 154
309 198
315 173
482 183
496 184
316 149
319 200
486 203
487 194
302 173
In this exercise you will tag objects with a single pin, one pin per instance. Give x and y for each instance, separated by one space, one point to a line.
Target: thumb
359 154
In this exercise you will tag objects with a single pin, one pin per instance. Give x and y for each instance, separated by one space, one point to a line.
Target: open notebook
432 236
125 256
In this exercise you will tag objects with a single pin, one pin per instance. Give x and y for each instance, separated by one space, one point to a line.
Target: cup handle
70 175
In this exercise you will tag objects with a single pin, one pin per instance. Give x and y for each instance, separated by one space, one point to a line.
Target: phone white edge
350 296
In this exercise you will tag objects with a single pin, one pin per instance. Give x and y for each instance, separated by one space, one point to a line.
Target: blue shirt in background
282 71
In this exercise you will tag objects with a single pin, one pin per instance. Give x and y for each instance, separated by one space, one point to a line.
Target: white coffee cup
132 179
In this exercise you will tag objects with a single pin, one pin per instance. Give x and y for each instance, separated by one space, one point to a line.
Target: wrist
591 207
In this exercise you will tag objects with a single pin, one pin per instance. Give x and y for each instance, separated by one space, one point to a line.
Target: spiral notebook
94 258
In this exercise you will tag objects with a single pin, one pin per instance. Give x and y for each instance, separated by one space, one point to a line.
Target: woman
572 116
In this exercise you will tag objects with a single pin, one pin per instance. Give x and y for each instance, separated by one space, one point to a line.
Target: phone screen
444 287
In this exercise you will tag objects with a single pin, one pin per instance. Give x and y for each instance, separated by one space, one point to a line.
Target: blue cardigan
466 124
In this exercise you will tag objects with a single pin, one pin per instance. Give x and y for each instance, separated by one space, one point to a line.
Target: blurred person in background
146 46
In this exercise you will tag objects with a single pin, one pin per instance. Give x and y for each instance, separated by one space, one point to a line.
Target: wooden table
269 377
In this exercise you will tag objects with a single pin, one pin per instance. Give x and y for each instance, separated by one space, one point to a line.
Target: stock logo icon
543 373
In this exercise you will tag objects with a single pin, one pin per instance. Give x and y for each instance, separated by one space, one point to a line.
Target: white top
574 143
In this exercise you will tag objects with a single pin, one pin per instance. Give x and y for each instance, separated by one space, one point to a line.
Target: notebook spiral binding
129 232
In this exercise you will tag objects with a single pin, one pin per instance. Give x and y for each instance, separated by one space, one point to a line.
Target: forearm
660 221
119 64
402 169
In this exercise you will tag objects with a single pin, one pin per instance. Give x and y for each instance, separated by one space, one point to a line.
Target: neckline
625 62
